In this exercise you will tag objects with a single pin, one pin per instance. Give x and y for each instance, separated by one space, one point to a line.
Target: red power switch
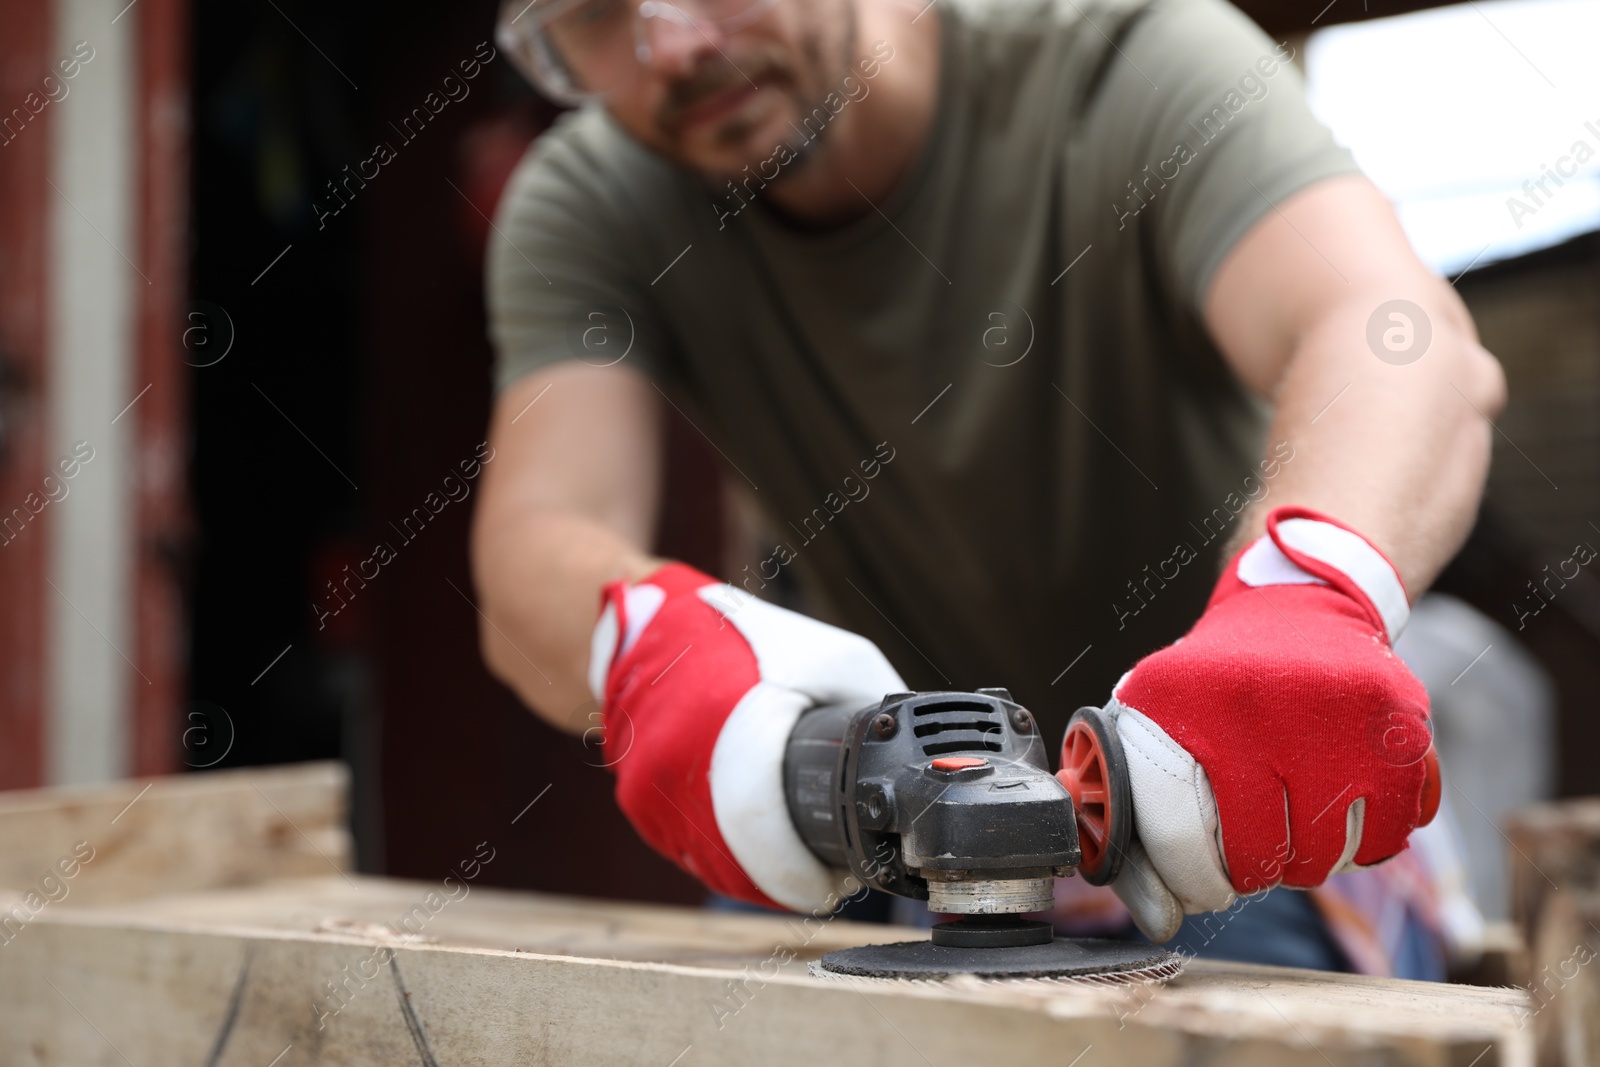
958 763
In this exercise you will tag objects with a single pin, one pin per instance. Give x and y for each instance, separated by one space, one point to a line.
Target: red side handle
1432 786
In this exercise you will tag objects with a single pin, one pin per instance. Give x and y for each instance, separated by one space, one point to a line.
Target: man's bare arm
1400 452
568 504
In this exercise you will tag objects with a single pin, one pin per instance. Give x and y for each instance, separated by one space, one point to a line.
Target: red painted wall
27 35
161 515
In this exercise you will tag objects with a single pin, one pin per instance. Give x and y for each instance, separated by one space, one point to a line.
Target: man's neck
871 145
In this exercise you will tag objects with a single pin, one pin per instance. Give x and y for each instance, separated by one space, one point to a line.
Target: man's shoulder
1039 53
1083 38
1082 14
587 165
1098 23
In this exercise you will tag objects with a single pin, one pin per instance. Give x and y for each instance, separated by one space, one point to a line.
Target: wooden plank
1565 987
1555 896
1504 960
1552 845
306 971
171 835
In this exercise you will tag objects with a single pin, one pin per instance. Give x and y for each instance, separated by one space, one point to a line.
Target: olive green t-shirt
985 418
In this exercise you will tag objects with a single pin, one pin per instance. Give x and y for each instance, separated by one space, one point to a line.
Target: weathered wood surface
311 972
1504 960
1555 896
1552 846
172 835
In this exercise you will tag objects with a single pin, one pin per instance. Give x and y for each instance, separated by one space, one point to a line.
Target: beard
804 72
719 74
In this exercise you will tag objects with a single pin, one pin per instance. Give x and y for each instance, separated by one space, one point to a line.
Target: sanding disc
1062 958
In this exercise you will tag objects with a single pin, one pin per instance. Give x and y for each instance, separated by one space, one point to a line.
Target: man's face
716 101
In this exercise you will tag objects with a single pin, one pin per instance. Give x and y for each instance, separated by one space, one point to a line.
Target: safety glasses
574 51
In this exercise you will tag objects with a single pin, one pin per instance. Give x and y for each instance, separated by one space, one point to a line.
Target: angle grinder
947 797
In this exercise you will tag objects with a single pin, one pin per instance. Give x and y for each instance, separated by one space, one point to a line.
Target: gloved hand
1281 740
700 685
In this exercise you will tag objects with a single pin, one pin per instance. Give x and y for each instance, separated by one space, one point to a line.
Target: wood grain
175 834
312 970
1555 896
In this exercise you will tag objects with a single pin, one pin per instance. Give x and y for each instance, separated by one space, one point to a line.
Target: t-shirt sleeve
1202 128
560 284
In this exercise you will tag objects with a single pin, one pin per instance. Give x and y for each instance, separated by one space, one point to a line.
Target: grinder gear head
947 797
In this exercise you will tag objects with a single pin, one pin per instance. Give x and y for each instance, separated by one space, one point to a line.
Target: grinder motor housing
939 796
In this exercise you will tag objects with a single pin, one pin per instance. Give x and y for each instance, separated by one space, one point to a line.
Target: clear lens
577 50
520 35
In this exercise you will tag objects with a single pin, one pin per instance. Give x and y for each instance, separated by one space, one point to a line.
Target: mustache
717 75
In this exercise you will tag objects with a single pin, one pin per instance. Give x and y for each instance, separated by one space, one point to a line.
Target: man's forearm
1399 452
539 574
569 505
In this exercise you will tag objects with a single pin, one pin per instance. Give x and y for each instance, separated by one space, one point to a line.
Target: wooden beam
173 835
313 972
1555 896
1552 846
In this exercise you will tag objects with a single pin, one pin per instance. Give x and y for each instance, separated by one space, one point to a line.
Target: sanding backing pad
1061 958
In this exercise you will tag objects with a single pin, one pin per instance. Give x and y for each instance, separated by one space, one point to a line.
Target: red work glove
700 685
1281 740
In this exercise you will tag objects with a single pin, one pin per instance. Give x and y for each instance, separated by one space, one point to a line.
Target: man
981 300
